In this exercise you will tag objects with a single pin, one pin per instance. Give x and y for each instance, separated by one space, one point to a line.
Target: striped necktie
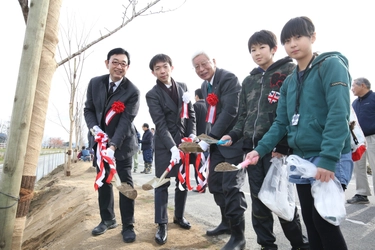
110 92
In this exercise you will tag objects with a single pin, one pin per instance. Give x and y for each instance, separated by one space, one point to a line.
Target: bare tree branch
25 9
126 19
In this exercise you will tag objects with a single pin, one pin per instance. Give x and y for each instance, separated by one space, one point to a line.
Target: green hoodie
324 109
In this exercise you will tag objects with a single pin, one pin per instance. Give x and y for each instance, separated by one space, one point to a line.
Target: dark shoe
182 222
144 171
269 248
103 227
237 239
358 199
162 234
128 234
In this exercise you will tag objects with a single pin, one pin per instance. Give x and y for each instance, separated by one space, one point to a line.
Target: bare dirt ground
64 210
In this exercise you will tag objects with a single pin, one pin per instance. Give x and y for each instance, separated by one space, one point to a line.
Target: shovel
157 182
210 140
123 188
227 167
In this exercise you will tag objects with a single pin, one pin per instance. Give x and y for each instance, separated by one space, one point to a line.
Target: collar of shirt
116 83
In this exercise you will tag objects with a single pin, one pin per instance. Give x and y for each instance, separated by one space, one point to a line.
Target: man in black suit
221 89
111 105
174 118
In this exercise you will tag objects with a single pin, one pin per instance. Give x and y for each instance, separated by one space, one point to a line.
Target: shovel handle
117 179
243 164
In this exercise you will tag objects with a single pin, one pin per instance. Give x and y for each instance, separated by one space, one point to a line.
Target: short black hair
118 51
198 92
159 58
263 37
145 125
298 26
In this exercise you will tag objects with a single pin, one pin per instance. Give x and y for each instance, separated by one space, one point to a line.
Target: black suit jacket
200 109
120 129
227 88
170 128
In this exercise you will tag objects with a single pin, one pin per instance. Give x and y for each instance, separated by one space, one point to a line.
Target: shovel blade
226 167
154 183
127 190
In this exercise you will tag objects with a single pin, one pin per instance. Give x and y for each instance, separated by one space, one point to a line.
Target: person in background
135 156
200 110
85 154
166 102
364 108
111 105
258 103
146 148
316 123
221 89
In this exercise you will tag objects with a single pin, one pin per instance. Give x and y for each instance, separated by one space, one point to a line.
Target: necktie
209 88
110 92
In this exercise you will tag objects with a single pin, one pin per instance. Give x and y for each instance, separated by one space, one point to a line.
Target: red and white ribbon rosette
212 100
101 138
116 108
185 102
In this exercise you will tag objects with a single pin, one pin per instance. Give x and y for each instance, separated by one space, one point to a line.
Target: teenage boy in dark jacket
258 103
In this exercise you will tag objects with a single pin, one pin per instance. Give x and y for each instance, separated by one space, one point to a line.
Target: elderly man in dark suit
111 105
221 89
174 118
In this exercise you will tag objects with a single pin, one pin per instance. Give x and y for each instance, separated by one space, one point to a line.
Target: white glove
97 130
175 154
204 145
194 137
110 153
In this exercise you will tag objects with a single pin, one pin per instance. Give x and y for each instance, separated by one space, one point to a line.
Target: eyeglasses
203 65
116 63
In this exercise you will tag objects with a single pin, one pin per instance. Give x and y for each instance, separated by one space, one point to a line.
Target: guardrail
46 164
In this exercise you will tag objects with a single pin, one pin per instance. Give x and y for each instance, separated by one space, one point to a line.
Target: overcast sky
222 27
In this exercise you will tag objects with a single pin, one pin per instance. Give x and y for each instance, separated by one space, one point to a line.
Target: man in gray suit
174 118
111 105
221 89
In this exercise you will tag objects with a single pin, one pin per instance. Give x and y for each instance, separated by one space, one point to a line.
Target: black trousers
161 202
262 217
226 186
105 194
322 234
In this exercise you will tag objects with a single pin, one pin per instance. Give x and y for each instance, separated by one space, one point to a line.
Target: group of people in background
281 108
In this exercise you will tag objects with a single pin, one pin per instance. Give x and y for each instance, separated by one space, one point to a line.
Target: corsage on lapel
185 102
273 97
116 108
212 100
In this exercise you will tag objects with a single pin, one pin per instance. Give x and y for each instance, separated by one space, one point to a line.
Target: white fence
46 164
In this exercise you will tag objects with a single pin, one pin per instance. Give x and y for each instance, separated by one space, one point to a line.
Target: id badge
295 119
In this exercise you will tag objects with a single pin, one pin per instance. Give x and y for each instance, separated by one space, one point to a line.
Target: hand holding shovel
123 188
227 167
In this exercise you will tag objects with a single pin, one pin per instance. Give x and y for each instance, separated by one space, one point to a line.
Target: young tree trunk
47 69
20 121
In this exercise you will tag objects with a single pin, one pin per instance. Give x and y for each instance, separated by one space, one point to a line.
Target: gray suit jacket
227 88
170 128
120 129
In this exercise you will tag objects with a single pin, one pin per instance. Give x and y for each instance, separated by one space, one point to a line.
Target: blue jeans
343 172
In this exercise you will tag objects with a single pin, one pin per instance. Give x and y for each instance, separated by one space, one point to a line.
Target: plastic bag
329 200
358 140
329 197
277 193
